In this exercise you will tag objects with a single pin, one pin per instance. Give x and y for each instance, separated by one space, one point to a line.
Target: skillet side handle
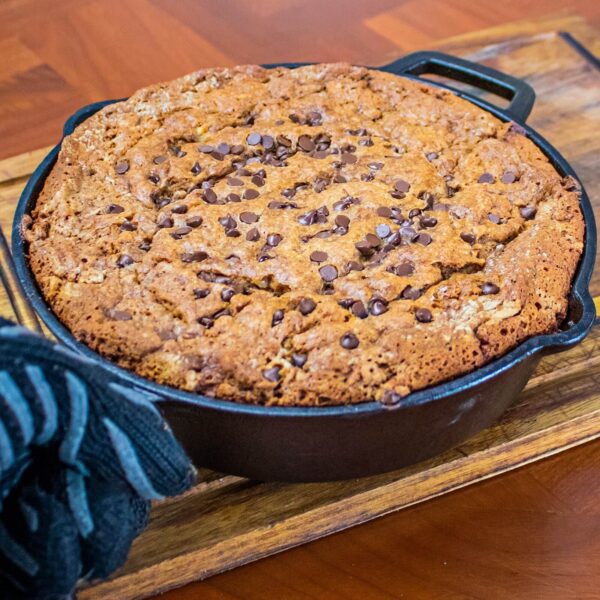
583 318
520 93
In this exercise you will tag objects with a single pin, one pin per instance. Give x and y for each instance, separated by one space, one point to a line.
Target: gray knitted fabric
81 457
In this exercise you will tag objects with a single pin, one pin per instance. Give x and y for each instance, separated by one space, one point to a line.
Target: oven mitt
81 457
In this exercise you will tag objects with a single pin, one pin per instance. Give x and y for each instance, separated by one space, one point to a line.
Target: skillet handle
520 93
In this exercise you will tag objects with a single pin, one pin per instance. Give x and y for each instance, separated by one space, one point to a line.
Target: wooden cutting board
227 521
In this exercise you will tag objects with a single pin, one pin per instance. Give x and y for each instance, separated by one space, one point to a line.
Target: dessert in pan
315 236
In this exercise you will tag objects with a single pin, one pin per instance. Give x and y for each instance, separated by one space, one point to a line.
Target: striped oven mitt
81 457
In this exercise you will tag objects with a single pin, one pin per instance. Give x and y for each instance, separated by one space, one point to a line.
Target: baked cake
325 235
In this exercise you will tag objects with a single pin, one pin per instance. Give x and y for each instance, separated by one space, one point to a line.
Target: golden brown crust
485 262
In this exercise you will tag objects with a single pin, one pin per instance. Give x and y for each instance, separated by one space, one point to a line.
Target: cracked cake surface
325 235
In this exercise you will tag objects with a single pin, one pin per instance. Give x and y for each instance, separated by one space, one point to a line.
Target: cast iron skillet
328 443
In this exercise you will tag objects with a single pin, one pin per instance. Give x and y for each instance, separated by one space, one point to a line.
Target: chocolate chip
306 143
276 205
283 141
348 158
233 232
486 178
128 226
299 359
273 239
354 266
164 221
404 269
124 261
227 294
408 233
253 235
339 178
428 222
114 209
250 194
196 256
423 315
489 288
145 245
201 293
494 219
288 193
227 221
359 310
349 341
248 217
390 398
206 148
209 196
376 166
177 151
234 181
180 232
342 221
410 293
468 237
343 204
383 230
277 317
231 197
320 155
194 221
157 160
346 302
217 155
528 212
236 149
372 240
424 239
180 209
365 142
318 256
268 142
509 177
272 374
397 195
431 156
377 306
253 139
402 186
384 211
122 167
328 273
258 181
206 322
153 177
364 248
223 148
393 240
308 218
306 306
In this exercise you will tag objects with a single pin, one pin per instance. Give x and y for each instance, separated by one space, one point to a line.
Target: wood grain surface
530 534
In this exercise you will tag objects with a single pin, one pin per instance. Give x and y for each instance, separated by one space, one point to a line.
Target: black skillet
328 443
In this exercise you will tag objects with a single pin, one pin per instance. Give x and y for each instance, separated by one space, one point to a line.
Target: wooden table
534 533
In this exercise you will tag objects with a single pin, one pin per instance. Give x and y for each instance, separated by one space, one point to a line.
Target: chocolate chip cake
325 235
